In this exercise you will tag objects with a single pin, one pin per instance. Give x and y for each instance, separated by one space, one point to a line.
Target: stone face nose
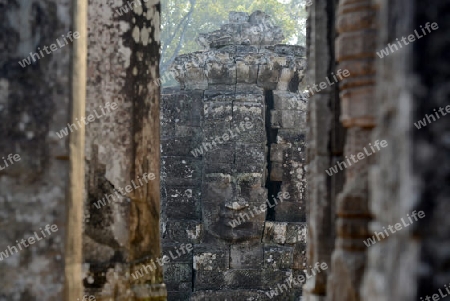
237 203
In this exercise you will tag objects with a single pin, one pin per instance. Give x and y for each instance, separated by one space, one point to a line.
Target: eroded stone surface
34 105
228 141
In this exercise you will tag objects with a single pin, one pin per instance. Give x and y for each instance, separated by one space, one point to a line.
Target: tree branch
186 19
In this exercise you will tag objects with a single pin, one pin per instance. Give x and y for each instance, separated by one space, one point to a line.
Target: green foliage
183 20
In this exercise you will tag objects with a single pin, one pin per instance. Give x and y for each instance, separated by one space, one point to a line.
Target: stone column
38 89
355 46
121 241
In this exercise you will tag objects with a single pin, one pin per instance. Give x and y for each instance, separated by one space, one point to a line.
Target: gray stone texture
242 88
34 105
123 235
382 99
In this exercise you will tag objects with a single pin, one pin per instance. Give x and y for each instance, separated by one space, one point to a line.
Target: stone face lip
237 204
257 29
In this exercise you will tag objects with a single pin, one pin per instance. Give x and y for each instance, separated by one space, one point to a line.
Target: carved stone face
232 204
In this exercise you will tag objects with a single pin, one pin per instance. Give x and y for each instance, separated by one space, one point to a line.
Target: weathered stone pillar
41 187
355 47
325 146
122 146
412 173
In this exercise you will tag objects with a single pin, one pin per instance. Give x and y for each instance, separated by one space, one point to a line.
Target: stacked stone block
242 89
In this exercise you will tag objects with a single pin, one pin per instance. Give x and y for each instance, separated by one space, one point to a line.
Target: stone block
351 45
290 212
275 232
243 279
288 119
220 73
276 119
254 130
276 171
299 278
177 276
178 253
181 171
189 60
185 131
259 17
183 107
286 76
253 133
277 152
218 110
255 153
294 151
213 129
250 35
182 231
292 50
357 140
167 128
294 180
358 107
232 30
178 296
250 98
231 295
268 76
209 280
272 37
355 227
291 136
299 257
278 257
246 256
181 202
249 89
179 146
320 124
212 96
224 40
211 257
296 233
224 153
247 109
289 101
218 168
194 79
210 263
250 55
249 51
272 278
245 73
218 90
